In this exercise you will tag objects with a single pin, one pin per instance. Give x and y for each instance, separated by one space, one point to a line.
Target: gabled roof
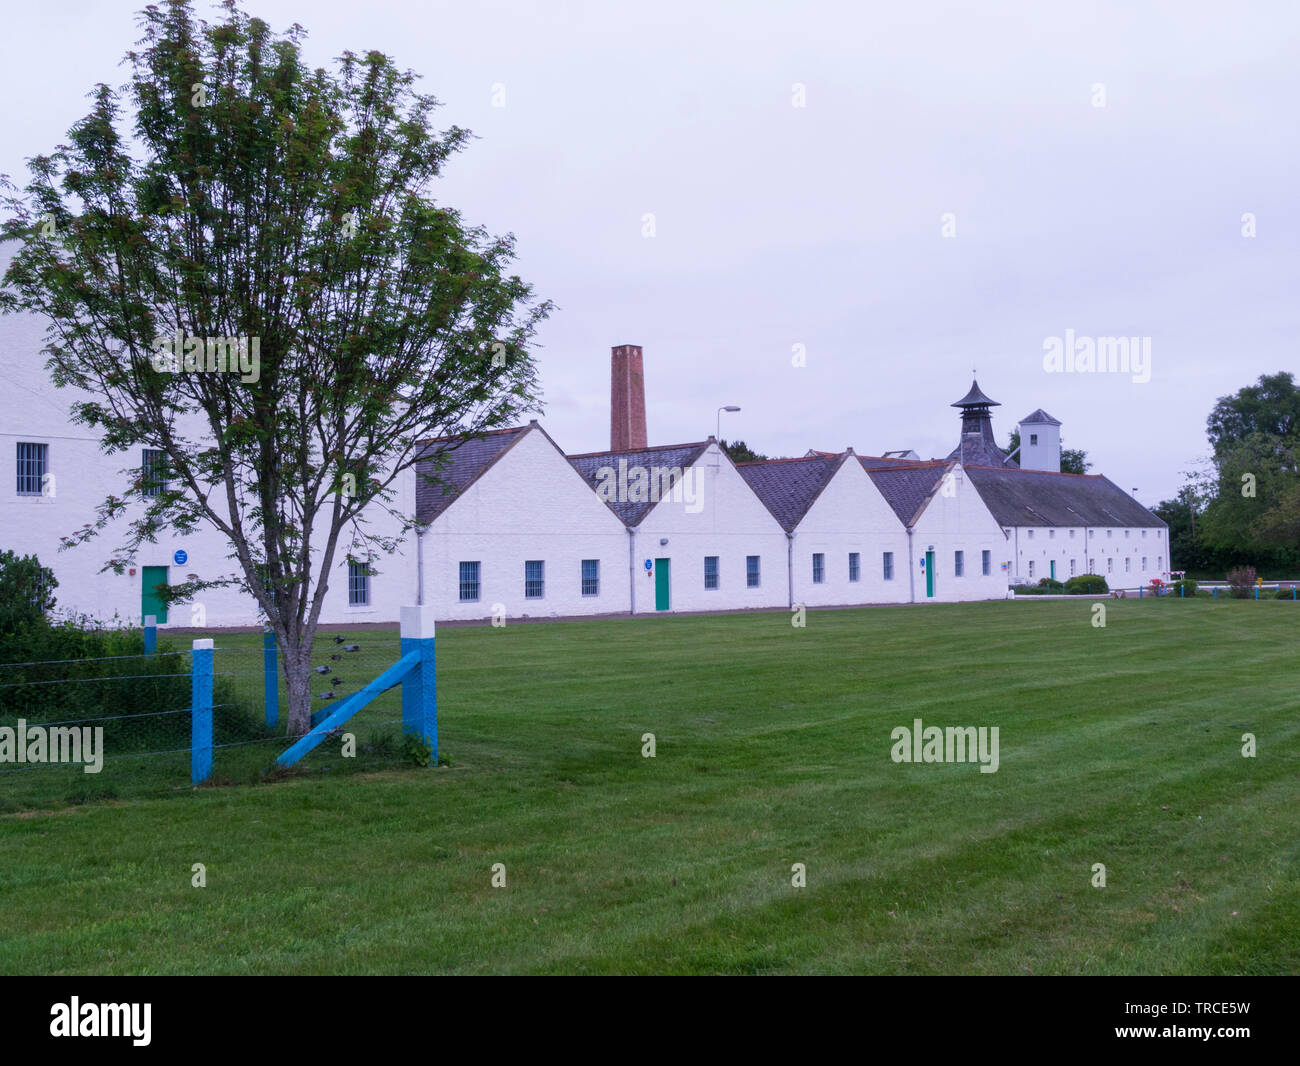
907 489
665 456
789 487
1045 498
977 449
463 461
975 398
1039 418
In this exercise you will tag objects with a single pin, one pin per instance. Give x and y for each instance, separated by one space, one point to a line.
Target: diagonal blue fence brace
201 711
416 673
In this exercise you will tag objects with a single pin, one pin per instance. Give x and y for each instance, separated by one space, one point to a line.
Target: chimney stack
626 399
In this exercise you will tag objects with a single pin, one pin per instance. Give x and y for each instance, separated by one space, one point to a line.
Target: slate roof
465 459
975 398
979 450
1044 498
1039 418
788 487
907 488
669 455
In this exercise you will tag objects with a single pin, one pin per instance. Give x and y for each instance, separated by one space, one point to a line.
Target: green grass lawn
1119 746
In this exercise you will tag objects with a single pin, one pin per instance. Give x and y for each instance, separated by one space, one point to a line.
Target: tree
1271 407
740 452
26 592
1073 460
279 218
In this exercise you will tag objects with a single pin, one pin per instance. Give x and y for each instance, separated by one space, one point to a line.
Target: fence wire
132 721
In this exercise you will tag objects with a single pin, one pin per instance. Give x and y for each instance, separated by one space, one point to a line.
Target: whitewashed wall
731 523
850 515
531 504
960 522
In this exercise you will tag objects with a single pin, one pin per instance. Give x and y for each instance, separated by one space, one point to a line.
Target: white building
515 528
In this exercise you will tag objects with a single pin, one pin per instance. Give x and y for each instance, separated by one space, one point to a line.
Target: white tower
1040 442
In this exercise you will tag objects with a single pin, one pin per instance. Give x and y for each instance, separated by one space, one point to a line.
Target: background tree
1073 460
1271 406
740 452
254 197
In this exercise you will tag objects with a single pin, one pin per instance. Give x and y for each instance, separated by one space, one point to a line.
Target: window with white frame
888 563
469 582
1051 534
1072 568
1031 569
1128 564
591 577
33 464
1092 566
1144 562
1110 566
819 568
358 585
853 566
751 571
710 571
986 562
1030 534
534 579
958 564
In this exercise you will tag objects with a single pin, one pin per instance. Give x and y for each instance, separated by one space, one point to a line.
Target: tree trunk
297 678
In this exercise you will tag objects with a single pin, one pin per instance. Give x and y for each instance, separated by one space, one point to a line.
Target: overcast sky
822 225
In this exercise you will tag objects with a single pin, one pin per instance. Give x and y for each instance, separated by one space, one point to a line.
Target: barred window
959 564
986 563
1128 565
853 566
33 462
889 566
152 467
1144 562
591 577
469 582
710 571
1031 569
751 571
819 568
534 579
1072 568
358 585
1110 566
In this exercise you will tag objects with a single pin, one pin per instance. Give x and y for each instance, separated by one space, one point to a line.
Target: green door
661 585
929 574
1052 569
150 604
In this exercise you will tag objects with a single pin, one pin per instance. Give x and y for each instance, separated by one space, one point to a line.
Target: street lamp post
718 434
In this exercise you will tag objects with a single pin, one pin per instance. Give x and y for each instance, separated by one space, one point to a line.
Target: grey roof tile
1044 498
666 456
455 463
788 487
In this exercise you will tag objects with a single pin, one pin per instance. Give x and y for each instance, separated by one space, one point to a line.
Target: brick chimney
626 399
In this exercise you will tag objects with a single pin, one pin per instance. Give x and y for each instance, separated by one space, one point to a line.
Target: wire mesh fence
81 730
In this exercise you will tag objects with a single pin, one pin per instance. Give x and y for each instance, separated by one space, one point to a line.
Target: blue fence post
420 686
150 633
201 711
1216 592
270 679
1182 591
1256 592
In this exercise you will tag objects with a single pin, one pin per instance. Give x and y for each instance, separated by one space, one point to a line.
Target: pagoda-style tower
977 446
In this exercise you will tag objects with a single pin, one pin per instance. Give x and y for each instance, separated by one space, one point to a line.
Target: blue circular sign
180 558
649 565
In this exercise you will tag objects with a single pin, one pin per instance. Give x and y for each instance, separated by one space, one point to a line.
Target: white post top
417 622
150 620
203 645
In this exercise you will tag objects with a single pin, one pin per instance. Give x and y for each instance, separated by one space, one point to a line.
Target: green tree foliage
229 190
1270 407
740 452
26 592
